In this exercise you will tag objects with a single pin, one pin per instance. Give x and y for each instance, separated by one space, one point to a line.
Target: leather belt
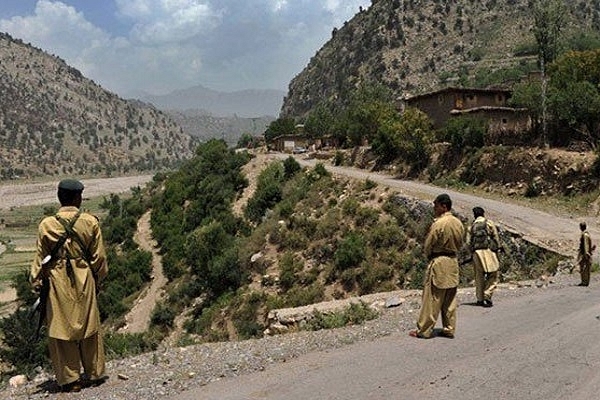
442 254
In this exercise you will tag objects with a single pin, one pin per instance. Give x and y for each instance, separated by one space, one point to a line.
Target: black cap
70 184
478 211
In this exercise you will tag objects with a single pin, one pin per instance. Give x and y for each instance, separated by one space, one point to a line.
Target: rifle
42 300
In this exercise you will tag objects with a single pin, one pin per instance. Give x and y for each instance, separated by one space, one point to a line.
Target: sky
158 46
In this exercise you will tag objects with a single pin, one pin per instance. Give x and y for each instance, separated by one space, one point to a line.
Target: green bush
355 314
350 252
120 345
301 296
290 167
245 317
462 132
21 347
288 267
163 316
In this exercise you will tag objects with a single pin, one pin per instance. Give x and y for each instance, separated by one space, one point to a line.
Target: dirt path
138 319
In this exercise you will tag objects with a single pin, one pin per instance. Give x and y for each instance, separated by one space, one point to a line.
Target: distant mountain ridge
249 103
54 121
204 126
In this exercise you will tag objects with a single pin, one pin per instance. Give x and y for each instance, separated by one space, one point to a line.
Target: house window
440 99
504 121
500 98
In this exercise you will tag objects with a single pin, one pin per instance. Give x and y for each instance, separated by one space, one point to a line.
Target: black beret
70 184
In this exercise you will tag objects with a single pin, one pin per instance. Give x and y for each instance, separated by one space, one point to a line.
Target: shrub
162 316
301 296
355 314
464 132
350 252
289 267
245 317
120 345
290 167
21 348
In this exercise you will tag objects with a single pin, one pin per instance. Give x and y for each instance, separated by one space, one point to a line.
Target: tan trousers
434 301
484 284
585 265
69 356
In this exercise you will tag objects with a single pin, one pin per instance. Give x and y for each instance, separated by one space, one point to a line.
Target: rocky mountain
54 121
245 103
414 46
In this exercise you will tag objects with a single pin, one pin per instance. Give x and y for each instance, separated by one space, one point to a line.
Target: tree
281 126
574 95
549 19
319 122
371 107
406 137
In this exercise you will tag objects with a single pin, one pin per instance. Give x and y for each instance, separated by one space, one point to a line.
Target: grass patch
355 314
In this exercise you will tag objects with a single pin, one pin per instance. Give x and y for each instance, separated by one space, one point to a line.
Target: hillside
54 121
416 46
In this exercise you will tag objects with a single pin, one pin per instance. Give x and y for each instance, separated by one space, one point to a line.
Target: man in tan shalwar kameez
444 240
584 255
484 244
72 315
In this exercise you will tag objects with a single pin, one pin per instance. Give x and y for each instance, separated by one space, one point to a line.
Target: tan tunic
71 310
444 240
445 237
486 257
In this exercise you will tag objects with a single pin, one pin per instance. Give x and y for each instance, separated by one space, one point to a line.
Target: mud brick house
505 124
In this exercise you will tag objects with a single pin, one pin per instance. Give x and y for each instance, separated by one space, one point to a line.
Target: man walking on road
584 256
68 267
484 243
444 240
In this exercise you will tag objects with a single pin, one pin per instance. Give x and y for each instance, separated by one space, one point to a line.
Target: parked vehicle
299 150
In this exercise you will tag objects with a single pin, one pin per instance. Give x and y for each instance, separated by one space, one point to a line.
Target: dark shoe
94 382
488 303
480 303
72 387
418 335
583 284
446 334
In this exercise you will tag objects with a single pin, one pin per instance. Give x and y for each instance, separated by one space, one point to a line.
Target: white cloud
57 28
173 44
168 21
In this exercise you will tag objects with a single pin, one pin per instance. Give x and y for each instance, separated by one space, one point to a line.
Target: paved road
540 346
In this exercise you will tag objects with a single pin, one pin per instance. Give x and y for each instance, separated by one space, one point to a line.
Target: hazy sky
158 46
